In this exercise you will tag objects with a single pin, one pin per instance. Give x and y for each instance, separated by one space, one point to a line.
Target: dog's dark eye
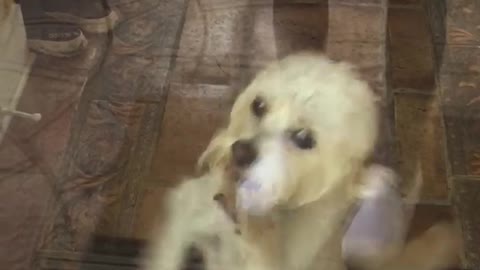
303 139
259 107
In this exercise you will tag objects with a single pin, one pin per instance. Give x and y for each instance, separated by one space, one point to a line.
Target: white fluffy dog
294 154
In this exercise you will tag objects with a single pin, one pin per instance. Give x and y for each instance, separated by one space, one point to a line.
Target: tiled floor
127 118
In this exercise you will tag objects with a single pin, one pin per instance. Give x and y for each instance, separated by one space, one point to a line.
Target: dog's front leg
169 246
179 229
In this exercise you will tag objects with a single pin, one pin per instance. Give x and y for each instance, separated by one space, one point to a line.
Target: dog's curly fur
5 8
306 194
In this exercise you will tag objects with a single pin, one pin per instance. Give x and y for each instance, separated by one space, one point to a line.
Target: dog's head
298 130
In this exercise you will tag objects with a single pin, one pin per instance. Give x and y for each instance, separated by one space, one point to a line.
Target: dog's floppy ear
216 153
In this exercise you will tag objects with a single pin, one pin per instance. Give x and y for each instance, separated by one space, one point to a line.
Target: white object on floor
380 226
15 64
32 116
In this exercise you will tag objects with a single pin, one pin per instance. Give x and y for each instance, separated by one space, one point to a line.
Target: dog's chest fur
308 237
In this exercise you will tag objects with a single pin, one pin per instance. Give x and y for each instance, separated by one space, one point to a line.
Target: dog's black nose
244 152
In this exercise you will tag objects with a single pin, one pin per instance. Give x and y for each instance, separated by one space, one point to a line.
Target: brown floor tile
92 182
129 8
460 59
105 138
460 90
459 76
12 157
405 3
111 155
139 77
142 50
193 114
207 70
362 2
148 24
419 132
220 38
467 200
149 212
297 27
143 133
23 201
437 12
454 129
462 22
462 129
411 51
217 41
427 215
101 175
336 2
48 146
385 153
460 87
367 24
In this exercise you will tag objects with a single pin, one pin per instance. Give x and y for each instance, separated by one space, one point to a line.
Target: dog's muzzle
244 152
